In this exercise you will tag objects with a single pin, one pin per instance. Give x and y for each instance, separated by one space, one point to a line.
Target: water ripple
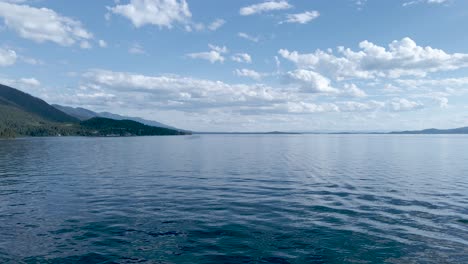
235 199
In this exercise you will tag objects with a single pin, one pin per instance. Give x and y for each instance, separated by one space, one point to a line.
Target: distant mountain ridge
24 115
460 130
28 103
78 112
84 114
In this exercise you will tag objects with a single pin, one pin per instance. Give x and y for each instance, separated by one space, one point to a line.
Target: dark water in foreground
235 199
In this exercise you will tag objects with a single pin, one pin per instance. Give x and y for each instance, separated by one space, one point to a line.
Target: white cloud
441 101
439 83
43 24
136 49
402 58
308 108
401 104
102 43
370 106
248 37
215 25
162 13
211 56
28 85
353 91
180 91
313 82
248 73
7 57
208 99
242 57
409 3
85 45
30 82
395 105
219 49
390 88
310 81
215 55
265 7
302 18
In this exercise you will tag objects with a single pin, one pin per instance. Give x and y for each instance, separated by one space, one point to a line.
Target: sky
245 65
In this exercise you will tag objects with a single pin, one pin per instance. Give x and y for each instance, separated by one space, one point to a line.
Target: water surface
235 199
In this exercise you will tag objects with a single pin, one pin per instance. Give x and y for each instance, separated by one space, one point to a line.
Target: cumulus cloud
162 13
313 82
211 56
242 57
186 93
443 102
28 85
265 7
248 73
43 24
401 104
181 92
302 18
248 37
215 55
209 98
310 81
353 91
401 58
7 57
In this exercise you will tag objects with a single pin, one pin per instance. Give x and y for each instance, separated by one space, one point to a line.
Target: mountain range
24 115
460 130
84 114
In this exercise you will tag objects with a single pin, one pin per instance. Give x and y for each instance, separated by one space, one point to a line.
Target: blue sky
245 65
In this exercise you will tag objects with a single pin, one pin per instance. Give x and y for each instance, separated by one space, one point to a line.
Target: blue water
235 199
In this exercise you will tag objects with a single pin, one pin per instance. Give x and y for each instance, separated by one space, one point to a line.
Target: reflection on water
235 199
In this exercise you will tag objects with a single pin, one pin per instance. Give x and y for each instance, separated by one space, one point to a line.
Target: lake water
235 199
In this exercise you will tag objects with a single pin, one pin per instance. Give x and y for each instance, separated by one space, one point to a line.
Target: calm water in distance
235 199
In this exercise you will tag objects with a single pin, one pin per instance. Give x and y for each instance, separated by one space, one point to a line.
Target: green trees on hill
14 122
24 115
99 126
6 132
